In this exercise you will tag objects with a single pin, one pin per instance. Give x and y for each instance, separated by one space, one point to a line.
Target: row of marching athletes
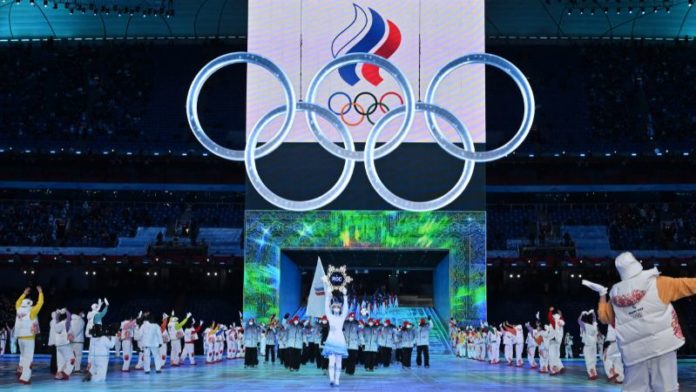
370 342
142 337
546 338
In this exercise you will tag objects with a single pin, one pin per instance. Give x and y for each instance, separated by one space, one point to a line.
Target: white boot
332 373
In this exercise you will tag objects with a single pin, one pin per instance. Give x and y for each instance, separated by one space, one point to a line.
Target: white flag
315 301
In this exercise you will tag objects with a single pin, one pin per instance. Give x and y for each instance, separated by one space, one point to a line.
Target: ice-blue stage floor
445 374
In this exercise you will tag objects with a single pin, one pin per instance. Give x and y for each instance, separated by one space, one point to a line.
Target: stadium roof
540 19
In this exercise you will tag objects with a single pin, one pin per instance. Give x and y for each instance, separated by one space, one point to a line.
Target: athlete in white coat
557 324
190 338
532 345
519 345
127 333
613 365
94 317
150 341
175 328
588 334
26 328
3 340
508 342
99 346
65 359
77 329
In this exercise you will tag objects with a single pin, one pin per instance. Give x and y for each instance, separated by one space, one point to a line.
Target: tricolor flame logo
376 35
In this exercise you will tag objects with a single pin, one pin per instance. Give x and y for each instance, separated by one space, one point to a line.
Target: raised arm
100 315
580 322
673 289
67 320
327 297
18 304
344 309
39 303
183 322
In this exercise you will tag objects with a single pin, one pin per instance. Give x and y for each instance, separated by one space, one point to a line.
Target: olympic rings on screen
407 108
359 109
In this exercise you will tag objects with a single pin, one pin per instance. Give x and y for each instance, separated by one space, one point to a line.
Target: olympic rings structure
407 109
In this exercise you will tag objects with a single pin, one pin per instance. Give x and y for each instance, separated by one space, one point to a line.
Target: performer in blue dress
335 347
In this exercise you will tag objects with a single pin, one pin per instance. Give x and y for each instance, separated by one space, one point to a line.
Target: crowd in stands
60 92
619 94
97 219
633 226
104 95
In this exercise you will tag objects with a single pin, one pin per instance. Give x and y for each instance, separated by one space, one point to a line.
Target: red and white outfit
190 338
127 334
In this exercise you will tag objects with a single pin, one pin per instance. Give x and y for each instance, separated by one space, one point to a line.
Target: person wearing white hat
26 328
648 333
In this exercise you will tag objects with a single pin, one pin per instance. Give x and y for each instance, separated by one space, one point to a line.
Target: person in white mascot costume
647 328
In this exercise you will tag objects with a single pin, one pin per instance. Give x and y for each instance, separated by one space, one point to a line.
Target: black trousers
54 360
361 356
352 360
295 355
386 356
251 356
370 357
310 353
406 353
319 358
281 356
424 350
270 349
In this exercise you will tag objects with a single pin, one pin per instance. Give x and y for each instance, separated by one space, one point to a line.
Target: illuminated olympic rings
407 108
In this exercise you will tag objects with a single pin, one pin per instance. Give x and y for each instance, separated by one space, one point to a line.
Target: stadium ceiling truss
190 19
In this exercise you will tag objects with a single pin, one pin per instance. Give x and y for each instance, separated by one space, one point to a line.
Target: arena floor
445 374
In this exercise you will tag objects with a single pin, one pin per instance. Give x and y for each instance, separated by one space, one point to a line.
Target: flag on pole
315 301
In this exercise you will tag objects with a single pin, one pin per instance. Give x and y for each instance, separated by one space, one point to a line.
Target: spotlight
654 10
606 10
630 10
592 11
642 10
94 273
570 11
618 11
86 272
667 9
31 3
45 3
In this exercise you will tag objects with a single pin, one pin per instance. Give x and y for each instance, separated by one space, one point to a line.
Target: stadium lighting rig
157 8
620 7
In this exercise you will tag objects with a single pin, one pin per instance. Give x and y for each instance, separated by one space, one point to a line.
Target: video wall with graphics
419 37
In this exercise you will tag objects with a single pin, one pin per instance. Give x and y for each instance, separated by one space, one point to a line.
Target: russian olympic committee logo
368 32
406 108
